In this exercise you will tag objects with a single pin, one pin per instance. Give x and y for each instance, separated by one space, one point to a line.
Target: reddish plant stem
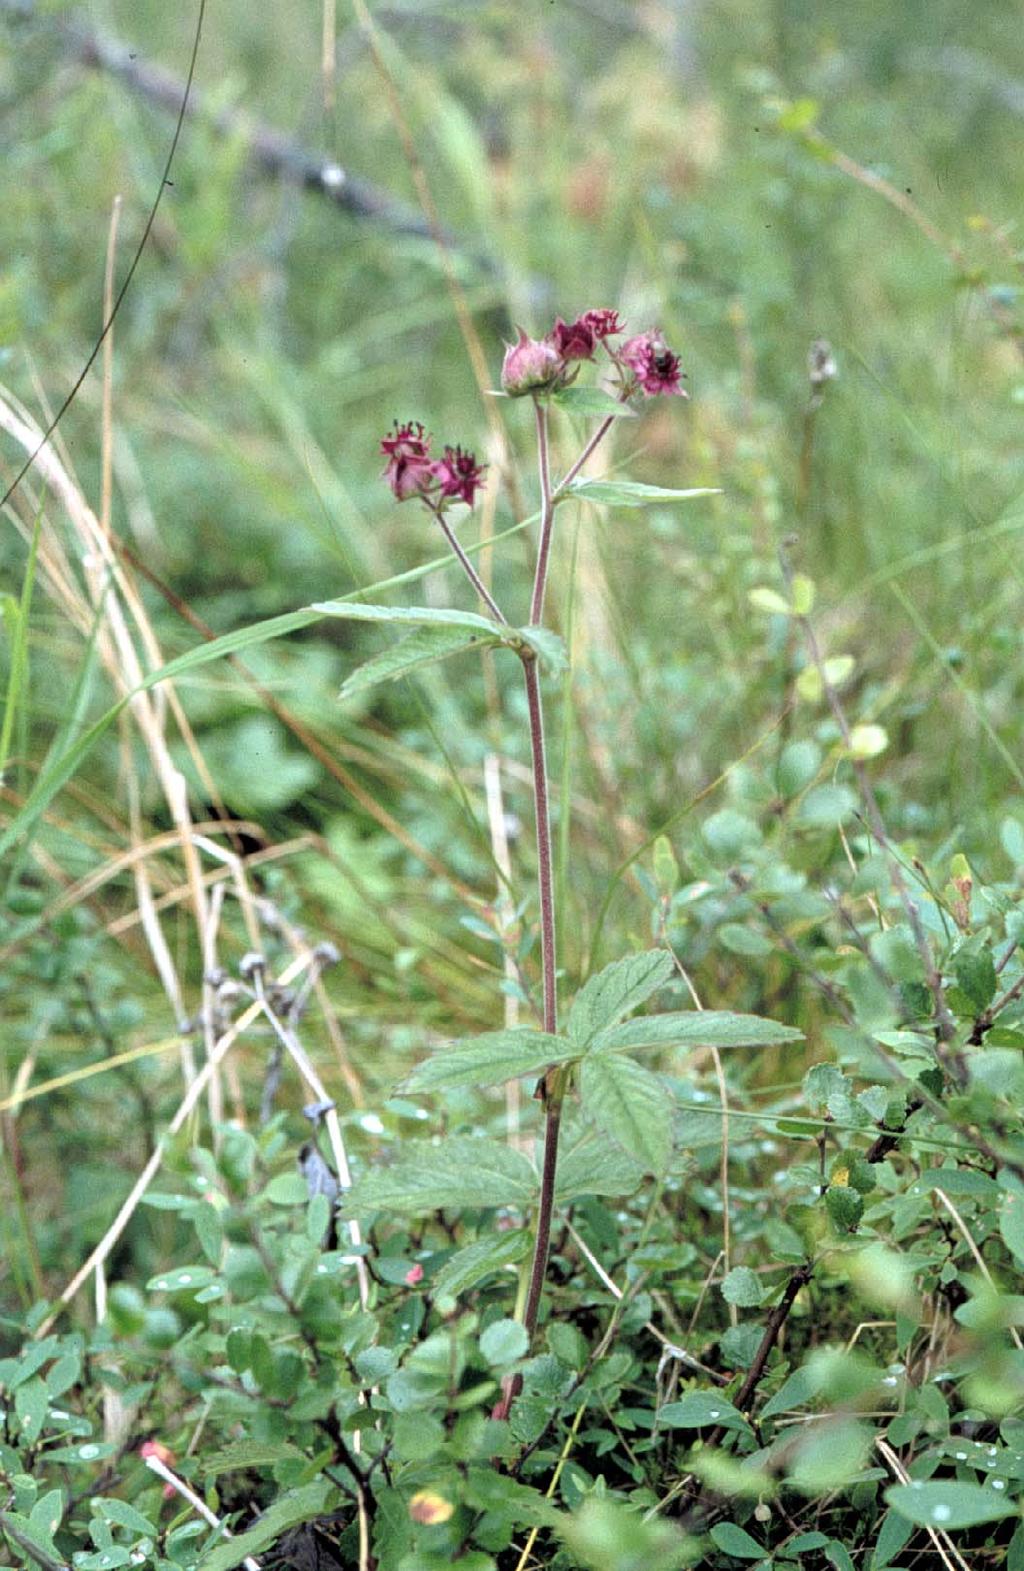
553 1093
468 568
547 520
545 1210
598 437
531 676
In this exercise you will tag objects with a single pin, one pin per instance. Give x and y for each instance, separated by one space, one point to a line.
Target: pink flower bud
157 1448
163 1454
530 366
459 475
654 366
414 1275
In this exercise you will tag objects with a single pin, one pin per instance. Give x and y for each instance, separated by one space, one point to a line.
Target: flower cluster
410 470
645 364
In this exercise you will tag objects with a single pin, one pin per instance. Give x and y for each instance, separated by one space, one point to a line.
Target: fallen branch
273 152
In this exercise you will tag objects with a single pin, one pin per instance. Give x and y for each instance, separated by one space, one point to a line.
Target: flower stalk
539 368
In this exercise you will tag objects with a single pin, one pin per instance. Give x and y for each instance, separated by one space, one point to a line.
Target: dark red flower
406 441
409 470
603 324
459 474
573 340
653 364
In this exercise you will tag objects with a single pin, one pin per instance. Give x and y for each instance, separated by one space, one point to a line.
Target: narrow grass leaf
17 616
630 493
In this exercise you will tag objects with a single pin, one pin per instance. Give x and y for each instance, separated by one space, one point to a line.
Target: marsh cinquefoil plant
620 1100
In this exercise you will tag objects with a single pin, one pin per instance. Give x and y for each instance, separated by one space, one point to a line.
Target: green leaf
631 1105
470 1265
845 1206
743 1288
795 1392
287 1189
593 1167
299 1505
551 649
424 647
592 401
947 1505
839 1555
184 1279
735 1541
37 1545
630 493
460 1172
47 1512
409 616
31 1403
490 1059
701 1410
504 1341
765 599
81 1453
606 1535
697 1028
892 1536
250 1453
976 976
615 992
113 1510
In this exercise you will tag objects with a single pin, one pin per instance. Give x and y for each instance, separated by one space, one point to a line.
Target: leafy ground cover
283 1035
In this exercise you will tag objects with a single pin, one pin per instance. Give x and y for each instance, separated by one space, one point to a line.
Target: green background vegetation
751 176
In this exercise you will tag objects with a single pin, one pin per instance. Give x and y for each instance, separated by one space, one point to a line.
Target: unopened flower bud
530 366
